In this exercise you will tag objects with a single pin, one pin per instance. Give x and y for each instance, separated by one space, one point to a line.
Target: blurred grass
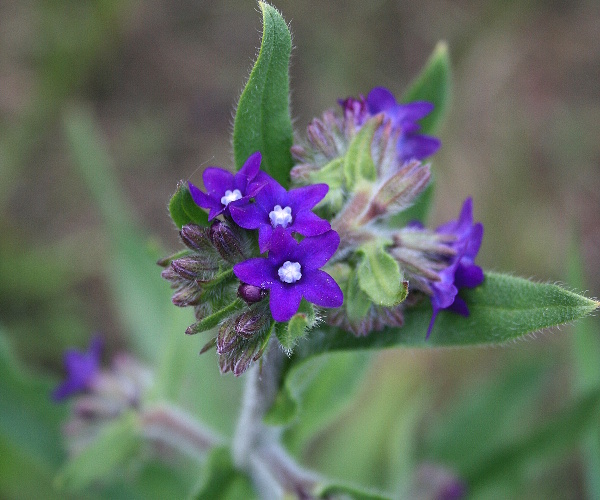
160 80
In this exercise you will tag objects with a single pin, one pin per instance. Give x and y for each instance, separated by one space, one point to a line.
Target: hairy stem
256 447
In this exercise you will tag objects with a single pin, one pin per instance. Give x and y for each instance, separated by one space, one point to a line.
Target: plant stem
256 447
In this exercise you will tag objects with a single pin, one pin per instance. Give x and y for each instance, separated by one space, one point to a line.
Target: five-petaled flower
82 368
411 145
462 270
274 207
292 271
225 189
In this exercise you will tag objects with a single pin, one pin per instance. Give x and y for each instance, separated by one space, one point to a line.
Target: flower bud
196 238
250 293
226 242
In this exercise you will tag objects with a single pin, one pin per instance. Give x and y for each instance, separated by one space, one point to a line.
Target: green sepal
289 333
220 479
262 119
209 322
433 84
379 276
184 210
358 162
419 211
117 442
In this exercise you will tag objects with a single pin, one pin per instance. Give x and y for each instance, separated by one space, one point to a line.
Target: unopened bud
226 242
253 321
250 294
195 238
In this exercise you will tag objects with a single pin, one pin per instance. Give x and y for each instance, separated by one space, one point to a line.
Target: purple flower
291 271
225 189
403 117
275 207
461 271
82 368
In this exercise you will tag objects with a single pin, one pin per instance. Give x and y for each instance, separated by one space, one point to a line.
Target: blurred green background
161 79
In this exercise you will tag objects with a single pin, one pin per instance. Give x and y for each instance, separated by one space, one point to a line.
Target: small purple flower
225 189
403 117
462 272
275 207
291 271
82 368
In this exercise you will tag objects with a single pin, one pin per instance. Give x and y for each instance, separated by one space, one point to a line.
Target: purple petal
248 215
217 181
251 167
411 112
436 310
258 272
380 99
321 289
417 147
305 198
203 200
317 250
309 224
459 306
270 195
265 234
284 301
468 276
65 390
283 246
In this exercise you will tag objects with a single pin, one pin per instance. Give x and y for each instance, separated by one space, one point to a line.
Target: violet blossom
291 271
82 368
411 145
275 207
461 272
225 189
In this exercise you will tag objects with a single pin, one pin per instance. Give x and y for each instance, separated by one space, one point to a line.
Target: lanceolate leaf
503 308
262 120
434 85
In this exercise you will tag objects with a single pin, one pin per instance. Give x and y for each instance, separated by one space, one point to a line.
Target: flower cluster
268 246
261 258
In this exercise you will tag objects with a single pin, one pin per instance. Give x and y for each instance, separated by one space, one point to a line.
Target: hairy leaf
433 84
262 120
184 210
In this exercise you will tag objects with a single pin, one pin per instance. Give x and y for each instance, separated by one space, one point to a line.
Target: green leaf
319 402
184 210
262 119
586 353
502 309
379 276
358 162
289 333
561 433
116 443
332 489
356 302
434 85
222 480
140 294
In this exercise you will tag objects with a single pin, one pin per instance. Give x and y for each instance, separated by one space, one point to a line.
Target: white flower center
231 196
280 216
289 272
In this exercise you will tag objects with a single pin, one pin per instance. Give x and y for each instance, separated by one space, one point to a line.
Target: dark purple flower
461 271
82 368
275 207
291 271
224 188
403 117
